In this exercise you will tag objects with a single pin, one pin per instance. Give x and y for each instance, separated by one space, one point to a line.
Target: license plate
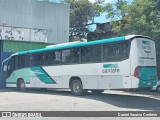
148 83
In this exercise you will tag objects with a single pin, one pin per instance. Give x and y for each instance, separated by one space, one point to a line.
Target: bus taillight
136 72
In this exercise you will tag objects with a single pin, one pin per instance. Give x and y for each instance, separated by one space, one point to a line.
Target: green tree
136 17
81 11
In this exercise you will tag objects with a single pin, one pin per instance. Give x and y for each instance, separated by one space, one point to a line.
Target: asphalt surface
63 100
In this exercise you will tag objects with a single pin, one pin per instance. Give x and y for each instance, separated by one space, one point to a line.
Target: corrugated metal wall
52 17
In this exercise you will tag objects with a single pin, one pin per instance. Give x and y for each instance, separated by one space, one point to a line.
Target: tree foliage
81 11
138 17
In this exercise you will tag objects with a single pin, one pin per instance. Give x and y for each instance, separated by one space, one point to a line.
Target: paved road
64 100
61 100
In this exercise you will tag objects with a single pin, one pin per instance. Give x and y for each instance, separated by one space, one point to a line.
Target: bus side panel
90 81
41 79
110 82
11 81
24 74
87 76
56 84
55 76
127 81
115 75
125 67
36 83
65 81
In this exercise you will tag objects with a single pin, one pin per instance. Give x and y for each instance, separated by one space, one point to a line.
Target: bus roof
79 44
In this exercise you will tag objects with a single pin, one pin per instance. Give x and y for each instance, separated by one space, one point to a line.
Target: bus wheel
97 91
21 85
158 88
77 88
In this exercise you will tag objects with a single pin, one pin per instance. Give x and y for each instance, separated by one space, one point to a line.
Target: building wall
21 46
4 55
23 34
8 47
32 14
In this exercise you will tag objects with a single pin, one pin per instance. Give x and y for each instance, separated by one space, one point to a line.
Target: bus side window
66 56
23 61
57 57
123 51
110 53
53 57
105 52
11 66
83 56
88 54
70 55
37 59
91 54
117 52
76 55
96 53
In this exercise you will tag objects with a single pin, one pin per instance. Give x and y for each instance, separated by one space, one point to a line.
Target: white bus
125 62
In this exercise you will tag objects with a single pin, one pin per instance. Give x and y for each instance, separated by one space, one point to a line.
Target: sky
102 18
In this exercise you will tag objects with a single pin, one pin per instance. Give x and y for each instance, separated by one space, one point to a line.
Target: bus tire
77 88
21 85
158 88
97 91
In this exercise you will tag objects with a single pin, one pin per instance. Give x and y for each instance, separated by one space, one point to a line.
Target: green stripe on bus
110 65
42 75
